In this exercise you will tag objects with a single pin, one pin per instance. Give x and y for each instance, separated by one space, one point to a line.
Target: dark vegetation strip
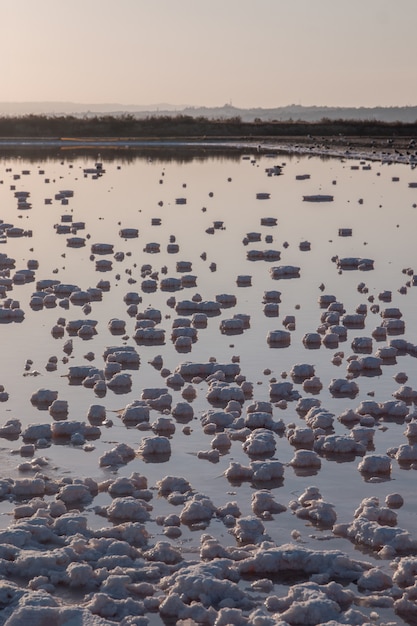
184 126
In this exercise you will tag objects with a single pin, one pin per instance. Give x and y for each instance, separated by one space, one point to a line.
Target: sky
248 53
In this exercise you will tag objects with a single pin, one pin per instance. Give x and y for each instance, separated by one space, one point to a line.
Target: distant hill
293 112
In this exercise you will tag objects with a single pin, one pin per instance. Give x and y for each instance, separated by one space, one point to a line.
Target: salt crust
105 562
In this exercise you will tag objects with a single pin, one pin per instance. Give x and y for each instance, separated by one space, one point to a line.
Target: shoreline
385 151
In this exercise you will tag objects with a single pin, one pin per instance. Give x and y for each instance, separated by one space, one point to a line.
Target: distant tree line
186 126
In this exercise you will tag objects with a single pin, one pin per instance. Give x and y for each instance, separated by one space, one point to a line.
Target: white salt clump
270 560
228 616
164 552
212 455
301 371
369 508
190 370
75 493
369 407
317 511
339 444
198 509
319 418
222 393
369 533
163 425
342 387
312 385
262 419
154 446
43 397
221 442
183 411
34 432
263 501
283 391
312 340
248 530
310 603
301 437
28 487
120 382
161 403
58 409
278 338
405 393
262 406
170 484
125 355
411 431
119 455
96 414
363 435
237 472
260 442
128 509
405 571
394 500
305 404
375 464
349 417
406 454
135 413
66 429
305 459
265 471
284 271
12 428
221 419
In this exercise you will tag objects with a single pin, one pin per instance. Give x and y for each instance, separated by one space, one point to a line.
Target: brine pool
198 219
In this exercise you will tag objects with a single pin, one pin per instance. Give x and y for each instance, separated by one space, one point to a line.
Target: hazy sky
208 52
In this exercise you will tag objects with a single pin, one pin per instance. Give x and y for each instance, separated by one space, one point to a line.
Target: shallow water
129 194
